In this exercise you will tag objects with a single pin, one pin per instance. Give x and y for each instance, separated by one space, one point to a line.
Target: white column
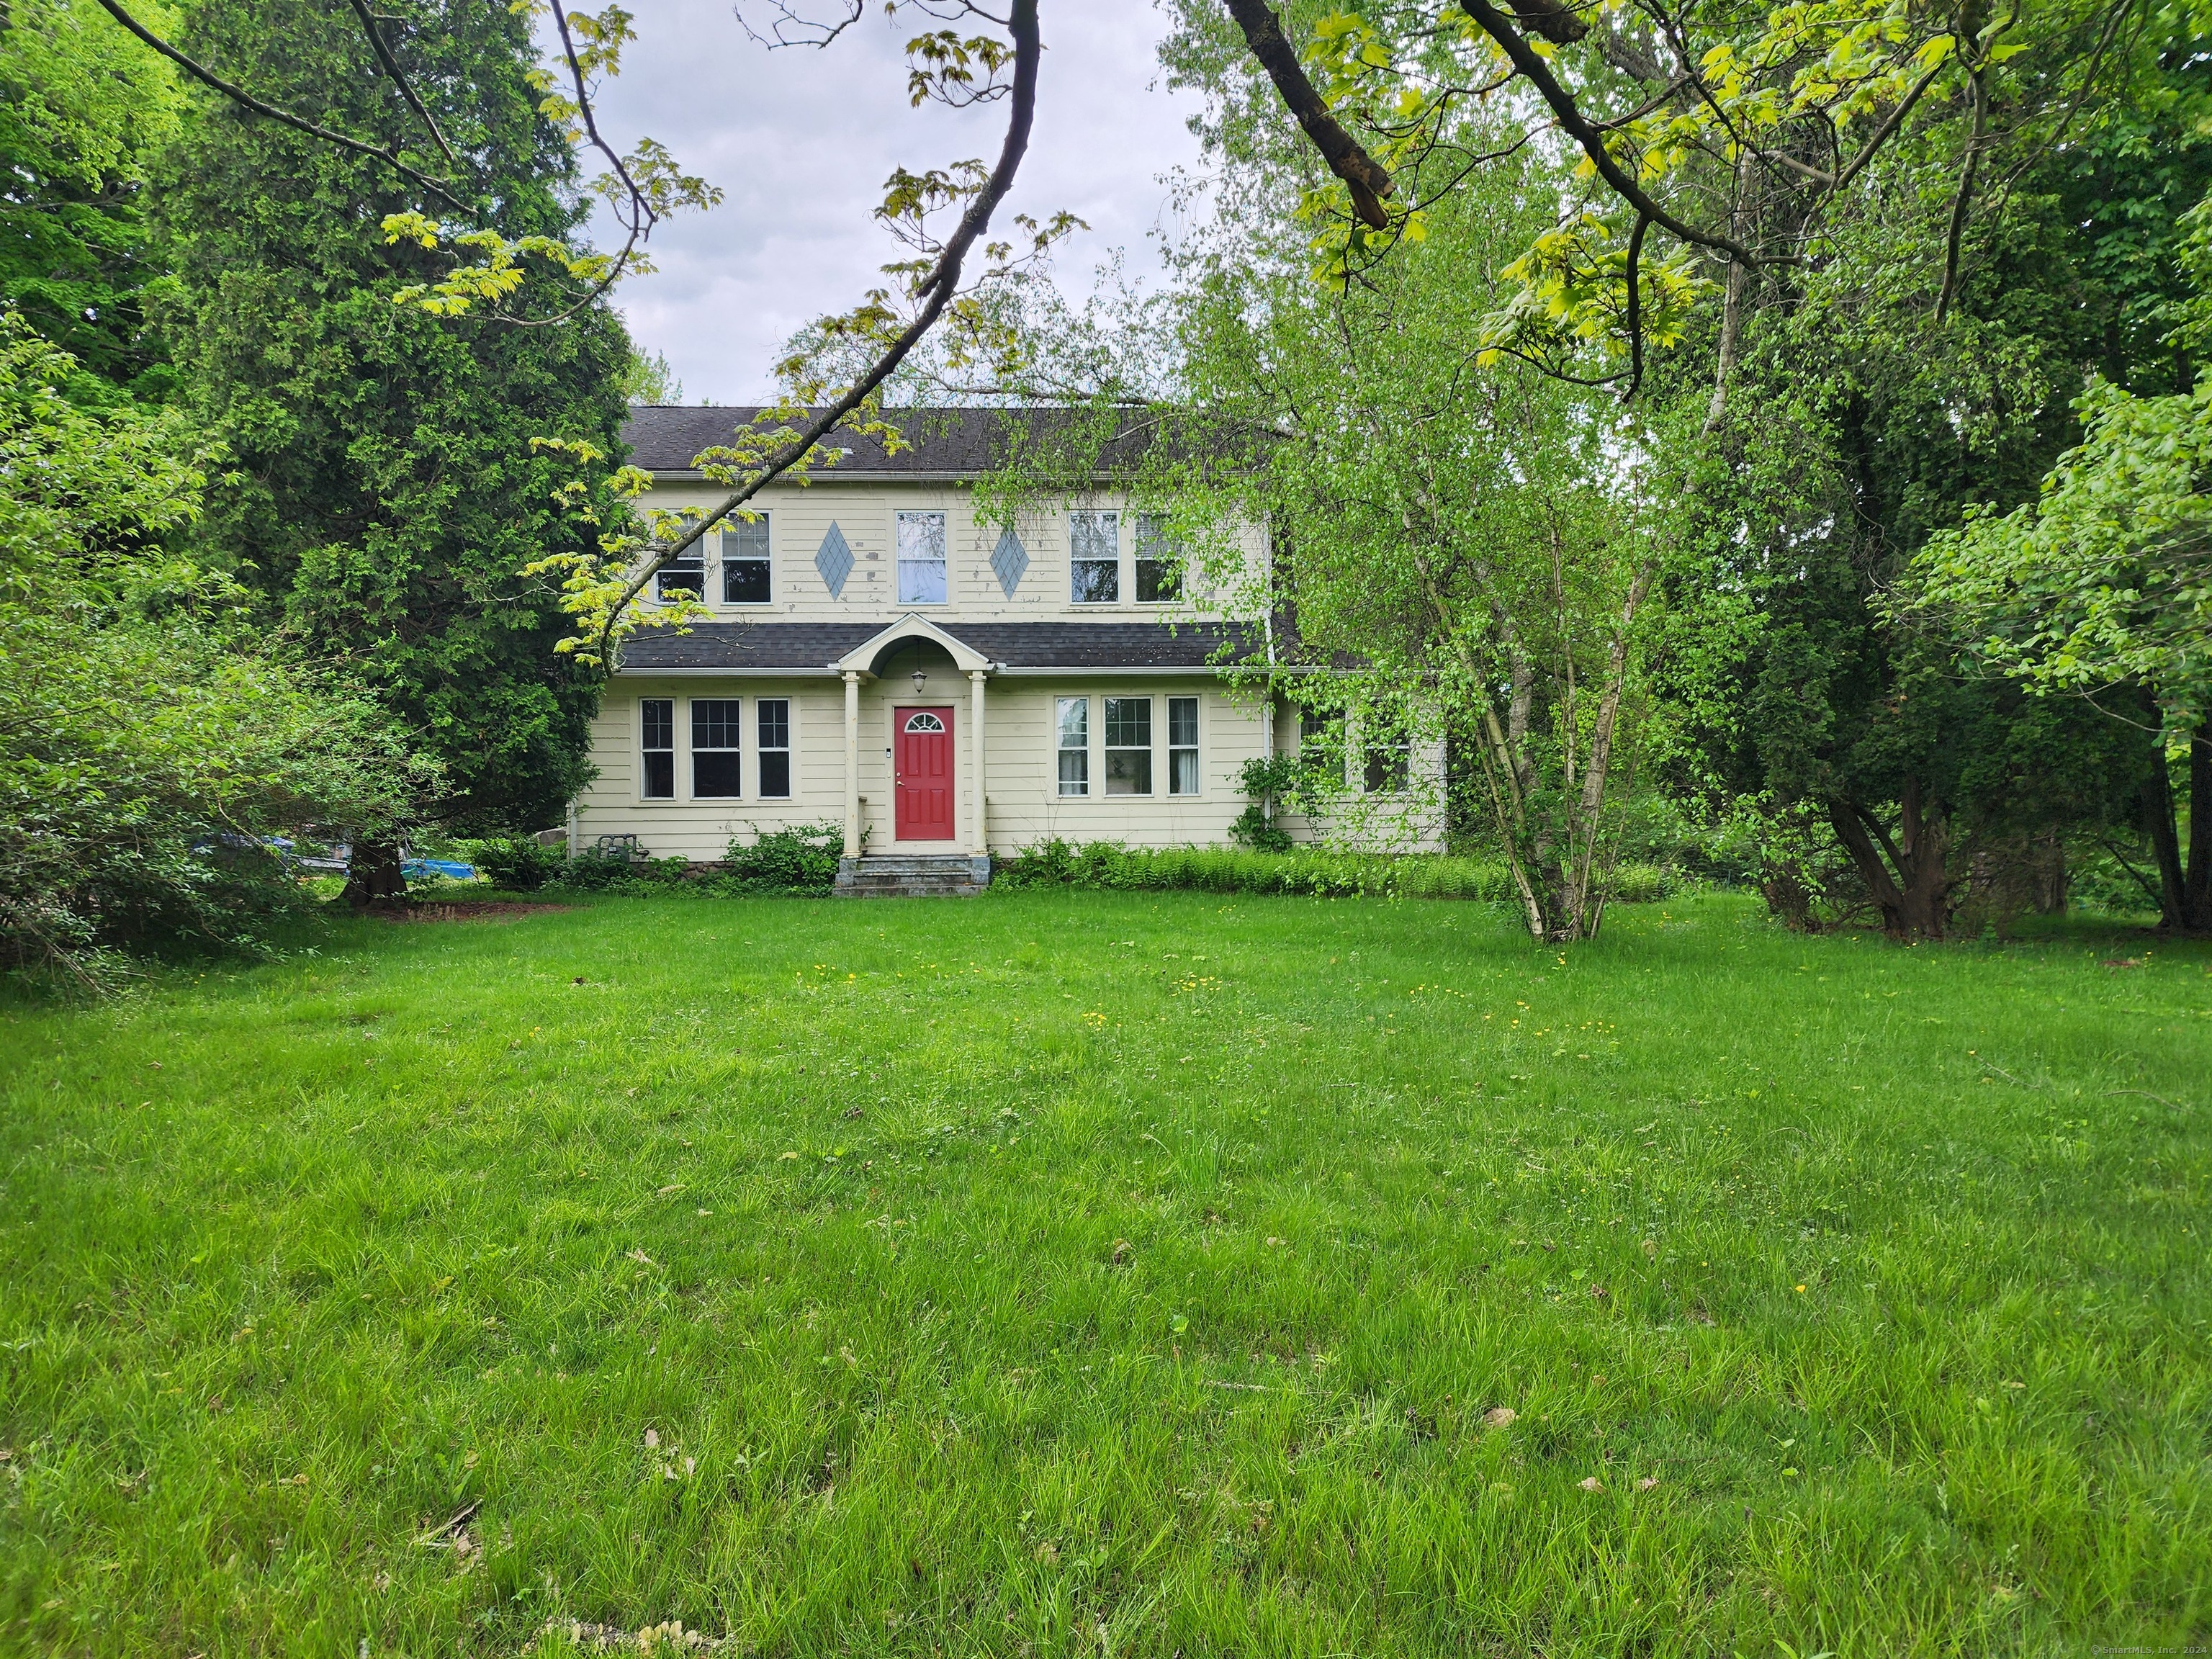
852 763
979 838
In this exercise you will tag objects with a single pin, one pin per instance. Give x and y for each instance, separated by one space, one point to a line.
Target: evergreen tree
81 108
385 490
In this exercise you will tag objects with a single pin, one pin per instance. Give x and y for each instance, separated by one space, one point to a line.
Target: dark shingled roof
668 438
802 647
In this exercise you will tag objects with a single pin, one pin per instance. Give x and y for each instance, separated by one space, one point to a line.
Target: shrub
1309 870
515 863
800 860
158 743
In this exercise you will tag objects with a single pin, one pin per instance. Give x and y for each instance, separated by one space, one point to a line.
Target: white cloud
801 140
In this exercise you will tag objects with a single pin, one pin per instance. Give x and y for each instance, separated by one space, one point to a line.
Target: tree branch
399 79
244 100
1369 182
1578 126
1635 308
1964 199
938 288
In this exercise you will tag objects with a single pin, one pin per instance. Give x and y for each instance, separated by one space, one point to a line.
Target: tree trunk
1909 878
2197 879
2158 823
374 876
2051 880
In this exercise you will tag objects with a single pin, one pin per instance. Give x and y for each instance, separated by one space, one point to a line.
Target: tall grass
1089 1273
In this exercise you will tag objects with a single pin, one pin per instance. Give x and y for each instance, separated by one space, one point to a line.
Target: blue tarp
457 871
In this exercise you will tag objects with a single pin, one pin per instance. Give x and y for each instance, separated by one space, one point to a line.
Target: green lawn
1095 1273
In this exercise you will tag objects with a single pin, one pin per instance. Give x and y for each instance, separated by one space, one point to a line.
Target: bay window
1128 745
1183 745
658 780
1072 721
773 721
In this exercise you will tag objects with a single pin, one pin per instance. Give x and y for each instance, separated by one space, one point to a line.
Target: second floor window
746 578
682 578
1094 546
774 754
921 558
1159 562
716 769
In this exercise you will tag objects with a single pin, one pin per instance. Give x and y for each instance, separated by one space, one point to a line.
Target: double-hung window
1159 562
747 574
717 723
1387 754
659 745
921 558
1073 723
1183 745
1094 545
1128 745
1320 742
682 578
773 718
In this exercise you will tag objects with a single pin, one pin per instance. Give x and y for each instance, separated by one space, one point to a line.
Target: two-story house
881 657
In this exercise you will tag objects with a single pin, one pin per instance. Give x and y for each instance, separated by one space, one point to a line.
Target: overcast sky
801 140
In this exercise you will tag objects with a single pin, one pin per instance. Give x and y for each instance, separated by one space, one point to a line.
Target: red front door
922 755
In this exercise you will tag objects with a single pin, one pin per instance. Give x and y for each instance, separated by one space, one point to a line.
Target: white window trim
1089 744
724 538
1120 558
1197 747
1182 572
691 749
1150 748
790 747
637 729
897 561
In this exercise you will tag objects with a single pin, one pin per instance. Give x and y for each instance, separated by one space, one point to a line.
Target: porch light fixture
919 678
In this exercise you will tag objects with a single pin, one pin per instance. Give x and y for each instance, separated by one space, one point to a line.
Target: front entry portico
927 787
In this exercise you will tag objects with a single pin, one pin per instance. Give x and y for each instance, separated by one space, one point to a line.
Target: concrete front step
912 875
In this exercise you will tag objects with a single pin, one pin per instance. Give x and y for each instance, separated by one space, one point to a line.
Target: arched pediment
863 657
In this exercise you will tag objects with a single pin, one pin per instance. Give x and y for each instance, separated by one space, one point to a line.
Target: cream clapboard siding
1021 756
800 518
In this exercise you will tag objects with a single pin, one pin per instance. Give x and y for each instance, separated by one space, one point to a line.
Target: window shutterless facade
657 780
1073 719
1094 546
773 721
1128 745
1183 745
717 769
748 574
921 575
1159 562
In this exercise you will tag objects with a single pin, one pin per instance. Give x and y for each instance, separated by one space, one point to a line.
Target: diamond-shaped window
1008 561
835 561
